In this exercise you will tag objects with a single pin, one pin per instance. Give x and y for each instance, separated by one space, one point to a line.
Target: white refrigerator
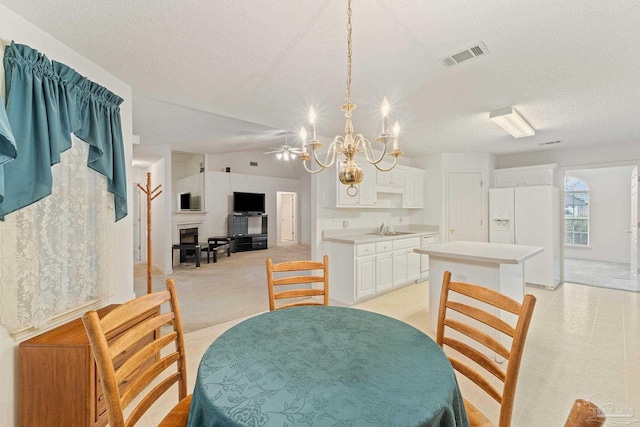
529 216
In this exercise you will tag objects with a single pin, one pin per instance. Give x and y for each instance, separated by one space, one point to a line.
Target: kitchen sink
391 233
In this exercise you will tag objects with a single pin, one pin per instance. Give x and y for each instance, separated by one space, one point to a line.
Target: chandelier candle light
349 145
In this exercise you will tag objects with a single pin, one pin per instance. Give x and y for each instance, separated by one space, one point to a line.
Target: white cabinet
389 181
406 263
366 196
358 272
413 188
413 267
384 270
525 176
400 267
424 259
365 276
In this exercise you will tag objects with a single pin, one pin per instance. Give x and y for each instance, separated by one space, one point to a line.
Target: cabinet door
505 180
418 196
383 271
365 276
409 191
343 199
413 266
400 260
367 188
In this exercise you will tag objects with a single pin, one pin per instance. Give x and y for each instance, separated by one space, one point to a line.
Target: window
576 212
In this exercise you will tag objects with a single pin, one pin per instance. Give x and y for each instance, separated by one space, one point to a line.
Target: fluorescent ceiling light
509 120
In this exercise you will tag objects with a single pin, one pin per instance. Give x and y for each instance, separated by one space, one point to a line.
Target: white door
464 206
633 231
287 217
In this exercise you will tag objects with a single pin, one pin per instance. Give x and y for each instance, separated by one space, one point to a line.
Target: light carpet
233 287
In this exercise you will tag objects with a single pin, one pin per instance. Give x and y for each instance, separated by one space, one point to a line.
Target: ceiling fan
285 152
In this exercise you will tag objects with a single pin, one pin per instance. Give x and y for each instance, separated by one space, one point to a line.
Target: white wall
219 187
437 167
14 27
268 164
609 214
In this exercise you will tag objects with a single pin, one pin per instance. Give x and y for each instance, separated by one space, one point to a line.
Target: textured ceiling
239 72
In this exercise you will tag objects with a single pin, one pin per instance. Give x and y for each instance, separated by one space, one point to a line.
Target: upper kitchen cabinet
413 188
391 181
525 176
366 196
400 188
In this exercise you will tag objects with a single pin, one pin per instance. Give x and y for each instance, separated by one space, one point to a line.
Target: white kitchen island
497 266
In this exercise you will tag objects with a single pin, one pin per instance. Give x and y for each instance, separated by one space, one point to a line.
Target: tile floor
583 342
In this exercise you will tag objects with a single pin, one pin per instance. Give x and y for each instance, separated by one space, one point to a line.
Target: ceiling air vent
474 51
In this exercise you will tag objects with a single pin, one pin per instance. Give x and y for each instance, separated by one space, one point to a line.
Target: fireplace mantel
188 219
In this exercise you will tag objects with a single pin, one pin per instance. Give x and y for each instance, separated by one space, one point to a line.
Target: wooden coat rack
151 195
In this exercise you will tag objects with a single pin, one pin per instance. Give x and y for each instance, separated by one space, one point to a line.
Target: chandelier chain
349 51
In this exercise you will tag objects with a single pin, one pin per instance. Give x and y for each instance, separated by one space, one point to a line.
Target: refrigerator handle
513 224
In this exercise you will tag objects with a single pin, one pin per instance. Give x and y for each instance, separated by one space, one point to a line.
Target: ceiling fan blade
272 152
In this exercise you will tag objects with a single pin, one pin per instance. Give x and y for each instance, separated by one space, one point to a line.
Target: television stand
248 231
251 242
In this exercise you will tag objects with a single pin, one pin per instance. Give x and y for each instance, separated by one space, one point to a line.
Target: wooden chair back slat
298 266
477 378
513 355
138 332
479 336
302 280
482 316
295 280
129 311
487 296
127 344
296 293
150 398
134 363
476 356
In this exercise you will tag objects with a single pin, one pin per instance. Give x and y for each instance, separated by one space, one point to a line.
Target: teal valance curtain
47 102
7 145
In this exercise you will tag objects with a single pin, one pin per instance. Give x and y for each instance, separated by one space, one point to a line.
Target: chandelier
350 144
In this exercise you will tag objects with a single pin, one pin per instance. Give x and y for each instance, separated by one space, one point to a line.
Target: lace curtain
55 253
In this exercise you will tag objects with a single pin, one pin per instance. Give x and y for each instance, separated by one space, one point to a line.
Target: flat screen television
185 201
248 202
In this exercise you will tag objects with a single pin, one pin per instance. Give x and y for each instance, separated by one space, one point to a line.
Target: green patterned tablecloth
325 366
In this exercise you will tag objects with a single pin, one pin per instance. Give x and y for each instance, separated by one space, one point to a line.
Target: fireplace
190 223
188 235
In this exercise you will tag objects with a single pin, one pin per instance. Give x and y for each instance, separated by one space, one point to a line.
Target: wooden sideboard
59 383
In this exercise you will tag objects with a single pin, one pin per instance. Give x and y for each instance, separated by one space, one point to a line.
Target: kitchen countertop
499 253
357 236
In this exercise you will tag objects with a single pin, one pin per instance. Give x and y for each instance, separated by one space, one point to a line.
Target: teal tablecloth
325 366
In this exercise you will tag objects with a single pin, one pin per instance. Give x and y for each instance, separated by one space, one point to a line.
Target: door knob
452 230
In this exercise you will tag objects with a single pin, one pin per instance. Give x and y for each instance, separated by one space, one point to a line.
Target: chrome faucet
381 229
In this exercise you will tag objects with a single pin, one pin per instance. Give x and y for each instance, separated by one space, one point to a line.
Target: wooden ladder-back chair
128 363
513 356
297 266
585 414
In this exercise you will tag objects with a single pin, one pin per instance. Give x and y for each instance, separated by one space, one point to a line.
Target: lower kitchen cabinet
361 271
365 276
384 268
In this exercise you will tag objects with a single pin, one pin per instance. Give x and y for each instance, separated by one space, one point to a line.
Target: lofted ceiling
231 75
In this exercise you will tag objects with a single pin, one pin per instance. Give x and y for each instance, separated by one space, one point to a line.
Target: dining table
325 366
